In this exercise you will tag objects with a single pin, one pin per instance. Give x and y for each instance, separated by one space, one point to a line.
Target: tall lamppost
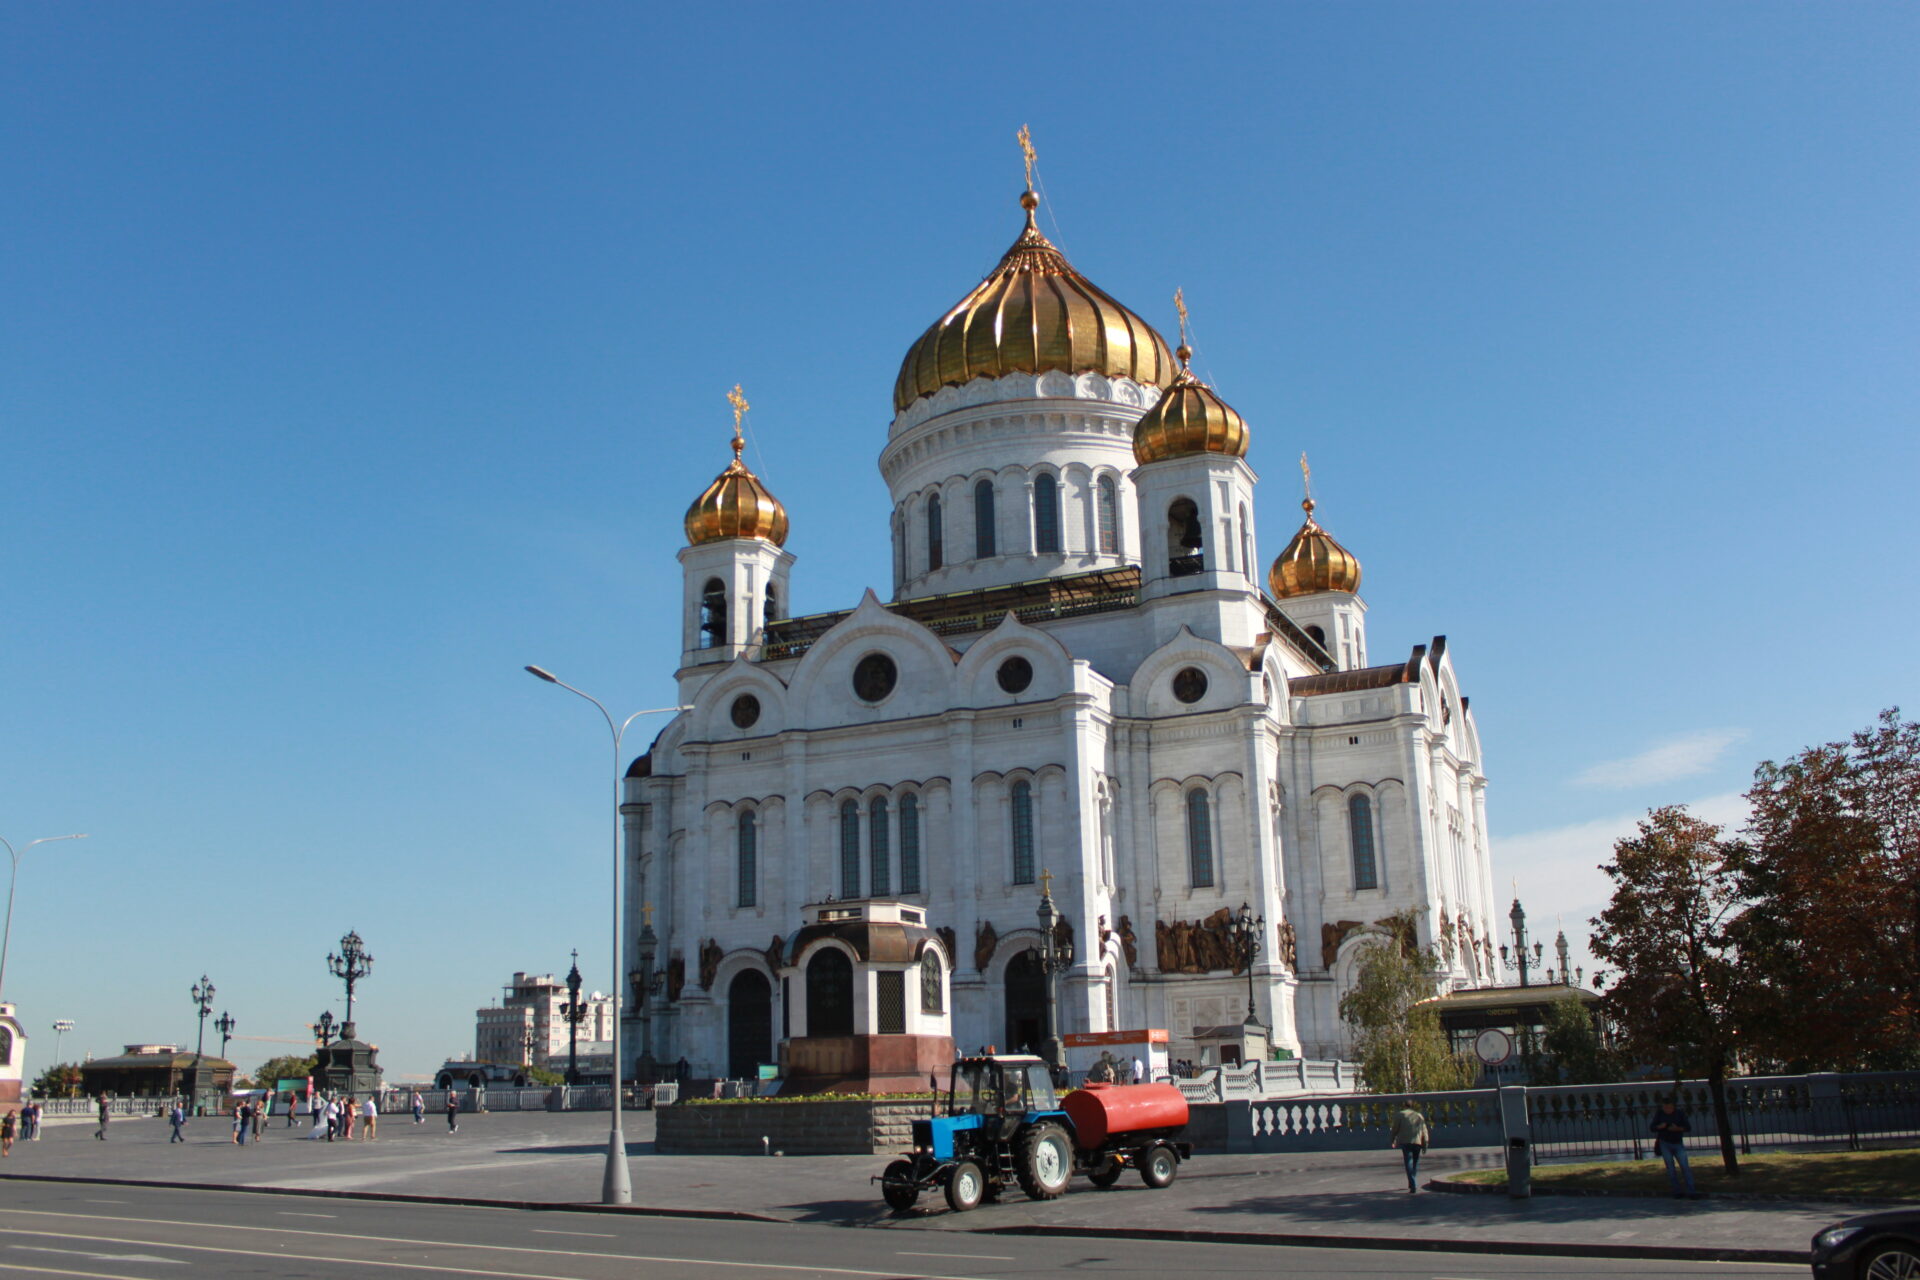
646 981
1056 955
60 1027
1520 959
323 1029
616 1185
527 1041
352 964
13 881
575 1013
225 1024
1244 933
203 1000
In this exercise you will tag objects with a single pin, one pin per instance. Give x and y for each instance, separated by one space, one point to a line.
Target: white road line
106 1202
289 1213
597 1235
978 1257
58 1271
437 1244
100 1257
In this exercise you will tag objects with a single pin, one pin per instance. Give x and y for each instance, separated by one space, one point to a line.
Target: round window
874 677
746 710
1190 684
1015 675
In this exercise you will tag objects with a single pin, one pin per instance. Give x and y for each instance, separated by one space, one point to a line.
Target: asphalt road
143 1233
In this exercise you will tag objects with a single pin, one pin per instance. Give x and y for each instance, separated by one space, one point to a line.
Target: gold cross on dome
1026 150
646 915
738 399
1046 883
1180 305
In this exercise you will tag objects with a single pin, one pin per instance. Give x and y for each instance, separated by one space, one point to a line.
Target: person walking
453 1111
348 1106
369 1116
333 1119
6 1135
1670 1129
1411 1135
106 1112
177 1117
260 1109
239 1124
293 1106
419 1108
1139 1070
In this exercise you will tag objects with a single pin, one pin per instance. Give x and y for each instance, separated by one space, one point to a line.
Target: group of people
1112 1070
24 1125
1670 1127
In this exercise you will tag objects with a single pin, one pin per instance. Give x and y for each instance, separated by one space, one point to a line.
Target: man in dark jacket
1670 1129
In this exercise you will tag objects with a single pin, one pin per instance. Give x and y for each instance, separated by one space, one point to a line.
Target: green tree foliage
286 1067
1680 988
61 1080
1831 868
1574 1050
1401 1048
542 1075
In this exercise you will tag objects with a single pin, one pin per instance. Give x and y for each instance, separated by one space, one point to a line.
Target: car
1874 1246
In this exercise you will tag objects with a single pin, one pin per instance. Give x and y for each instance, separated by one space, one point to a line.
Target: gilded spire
1189 417
1028 200
736 504
1313 561
1185 349
1306 486
738 400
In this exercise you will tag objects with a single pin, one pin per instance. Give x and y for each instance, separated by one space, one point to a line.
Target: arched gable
822 685
1229 684
977 677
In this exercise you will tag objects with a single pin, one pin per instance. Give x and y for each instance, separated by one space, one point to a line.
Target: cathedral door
829 993
1026 1004
749 1024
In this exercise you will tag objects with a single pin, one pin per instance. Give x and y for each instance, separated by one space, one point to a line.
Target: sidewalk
1358 1197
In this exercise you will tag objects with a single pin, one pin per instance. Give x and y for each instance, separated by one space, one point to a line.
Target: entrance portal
1026 1004
829 993
749 1024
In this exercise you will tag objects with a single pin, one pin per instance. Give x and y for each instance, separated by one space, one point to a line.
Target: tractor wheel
965 1185
1106 1173
1159 1166
899 1187
1045 1164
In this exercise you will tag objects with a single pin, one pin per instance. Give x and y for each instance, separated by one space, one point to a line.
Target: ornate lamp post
616 1185
1567 976
575 1013
202 998
1056 956
225 1024
352 964
527 1041
1244 933
16 854
323 1029
1519 959
646 981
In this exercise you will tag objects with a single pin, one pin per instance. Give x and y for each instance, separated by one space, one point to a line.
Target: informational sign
1493 1046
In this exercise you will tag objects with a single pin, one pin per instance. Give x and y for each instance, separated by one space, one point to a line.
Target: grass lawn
1878 1175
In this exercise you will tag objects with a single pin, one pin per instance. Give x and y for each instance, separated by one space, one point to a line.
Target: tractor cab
1001 1085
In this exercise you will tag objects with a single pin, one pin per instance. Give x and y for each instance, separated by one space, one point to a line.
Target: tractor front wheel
1045 1166
1159 1166
898 1187
965 1185
1106 1173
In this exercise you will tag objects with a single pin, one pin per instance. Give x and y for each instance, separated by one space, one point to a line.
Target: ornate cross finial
1306 486
1180 304
738 399
646 915
1046 883
1026 150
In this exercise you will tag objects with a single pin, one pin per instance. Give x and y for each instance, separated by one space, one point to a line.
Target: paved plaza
557 1158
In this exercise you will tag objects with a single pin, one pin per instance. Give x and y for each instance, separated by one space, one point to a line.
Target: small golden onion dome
1189 418
736 505
1312 562
1033 313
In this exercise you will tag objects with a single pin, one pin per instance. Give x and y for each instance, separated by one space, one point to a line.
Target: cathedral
1084 677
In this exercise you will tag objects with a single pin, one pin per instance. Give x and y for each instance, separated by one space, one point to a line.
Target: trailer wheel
1159 1166
1045 1166
1106 1173
965 1185
899 1187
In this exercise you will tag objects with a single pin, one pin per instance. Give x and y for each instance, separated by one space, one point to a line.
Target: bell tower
734 568
1317 582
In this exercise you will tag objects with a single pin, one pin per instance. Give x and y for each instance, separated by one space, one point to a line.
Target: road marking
60 1271
100 1257
597 1235
106 1202
979 1257
814 1269
289 1213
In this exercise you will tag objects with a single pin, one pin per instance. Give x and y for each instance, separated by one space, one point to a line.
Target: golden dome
1189 418
736 504
1312 562
1033 313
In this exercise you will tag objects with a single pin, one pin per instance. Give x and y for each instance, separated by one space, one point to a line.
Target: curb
1734 1197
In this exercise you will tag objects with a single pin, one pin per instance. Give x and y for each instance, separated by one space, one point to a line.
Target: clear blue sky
355 355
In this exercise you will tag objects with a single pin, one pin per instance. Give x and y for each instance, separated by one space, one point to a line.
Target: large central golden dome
1031 314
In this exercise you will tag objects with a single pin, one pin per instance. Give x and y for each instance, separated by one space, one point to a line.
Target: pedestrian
239 1124
1411 1135
6 1135
106 1111
419 1108
260 1109
333 1119
293 1106
347 1108
453 1112
1670 1129
1139 1070
369 1114
27 1117
177 1117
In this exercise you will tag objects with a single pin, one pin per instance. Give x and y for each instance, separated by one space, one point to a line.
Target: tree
1571 1041
61 1080
544 1075
1832 869
1680 988
286 1067
1400 1046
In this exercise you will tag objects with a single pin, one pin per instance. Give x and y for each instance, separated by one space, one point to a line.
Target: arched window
1319 636
1046 514
849 849
746 857
1246 544
713 614
830 993
1185 541
771 614
1366 874
983 540
910 843
879 880
1107 499
1022 832
1199 840
930 984
936 535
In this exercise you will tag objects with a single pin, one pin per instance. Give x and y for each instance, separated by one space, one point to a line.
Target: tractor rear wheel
1106 1173
1159 1166
965 1185
1045 1165
898 1187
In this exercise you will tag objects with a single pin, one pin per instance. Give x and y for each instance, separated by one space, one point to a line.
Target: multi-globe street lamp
323 1029
575 1013
6 936
1244 935
1056 956
225 1024
616 1185
1519 959
352 964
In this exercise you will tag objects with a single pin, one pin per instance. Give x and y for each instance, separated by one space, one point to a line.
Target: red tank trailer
1105 1111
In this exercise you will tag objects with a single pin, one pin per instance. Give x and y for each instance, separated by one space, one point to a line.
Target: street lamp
60 1027
616 1185
323 1029
646 981
14 880
203 999
225 1024
1243 933
352 964
575 1013
527 1041
1519 960
1056 955
1568 976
